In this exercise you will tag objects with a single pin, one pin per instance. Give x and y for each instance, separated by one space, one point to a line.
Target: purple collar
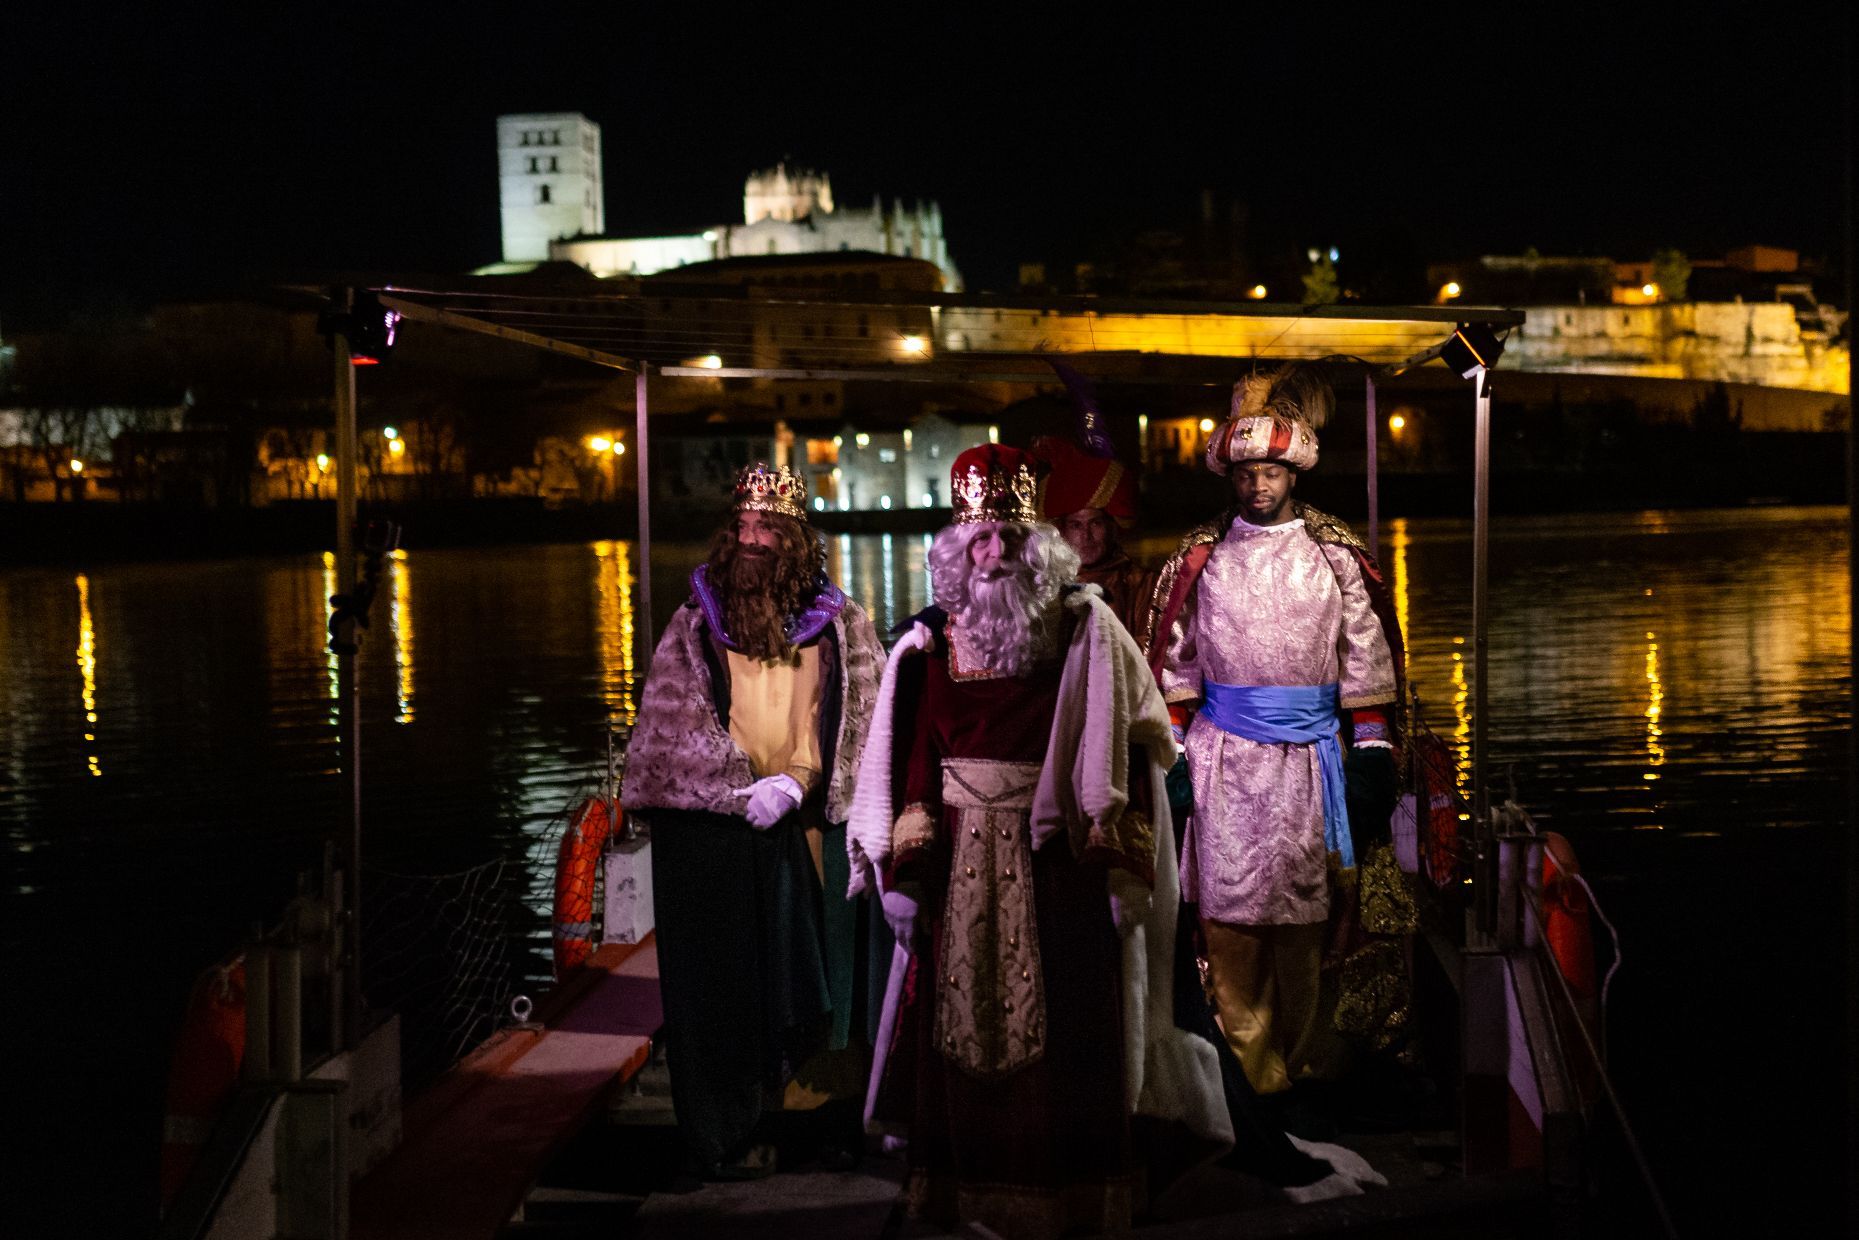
827 603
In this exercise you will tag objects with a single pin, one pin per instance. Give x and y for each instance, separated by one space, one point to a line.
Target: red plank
478 1139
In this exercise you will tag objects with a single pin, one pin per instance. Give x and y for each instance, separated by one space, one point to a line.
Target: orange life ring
204 1072
576 864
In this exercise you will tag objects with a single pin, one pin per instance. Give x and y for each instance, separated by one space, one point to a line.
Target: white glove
925 640
1130 901
900 912
770 800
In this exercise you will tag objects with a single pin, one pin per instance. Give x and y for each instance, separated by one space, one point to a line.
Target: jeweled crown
764 488
992 483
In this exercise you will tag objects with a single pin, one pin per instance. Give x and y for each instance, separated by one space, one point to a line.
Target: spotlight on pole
369 326
1471 348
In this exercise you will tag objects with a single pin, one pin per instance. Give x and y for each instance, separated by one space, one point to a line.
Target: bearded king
750 730
1006 814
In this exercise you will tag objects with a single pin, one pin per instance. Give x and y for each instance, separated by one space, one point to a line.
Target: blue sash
1291 715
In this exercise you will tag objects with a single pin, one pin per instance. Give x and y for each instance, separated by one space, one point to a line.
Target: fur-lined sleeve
863 661
680 755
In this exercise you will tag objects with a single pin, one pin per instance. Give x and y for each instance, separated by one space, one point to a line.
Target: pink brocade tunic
1272 607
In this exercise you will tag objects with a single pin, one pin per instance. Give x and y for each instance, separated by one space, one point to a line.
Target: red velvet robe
1045 1148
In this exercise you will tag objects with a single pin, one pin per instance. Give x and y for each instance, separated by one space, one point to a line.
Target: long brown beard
760 593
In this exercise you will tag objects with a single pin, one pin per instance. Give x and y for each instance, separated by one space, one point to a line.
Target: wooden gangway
475 1142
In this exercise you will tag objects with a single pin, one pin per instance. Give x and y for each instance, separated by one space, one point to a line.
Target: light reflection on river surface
169 755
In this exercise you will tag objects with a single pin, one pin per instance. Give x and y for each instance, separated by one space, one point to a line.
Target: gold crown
996 494
777 489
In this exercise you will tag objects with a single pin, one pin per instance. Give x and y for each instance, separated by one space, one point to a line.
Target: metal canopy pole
1374 473
342 638
641 410
1481 601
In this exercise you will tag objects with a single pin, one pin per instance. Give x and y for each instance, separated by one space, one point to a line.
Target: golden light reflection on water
1462 719
1655 707
1397 571
87 671
329 656
613 586
400 620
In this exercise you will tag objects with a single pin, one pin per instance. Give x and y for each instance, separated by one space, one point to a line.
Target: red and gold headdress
1081 480
777 489
1275 417
995 483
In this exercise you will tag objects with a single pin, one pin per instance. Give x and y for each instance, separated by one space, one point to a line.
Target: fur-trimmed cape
681 755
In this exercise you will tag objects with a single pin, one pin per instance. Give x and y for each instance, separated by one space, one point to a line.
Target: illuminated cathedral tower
548 174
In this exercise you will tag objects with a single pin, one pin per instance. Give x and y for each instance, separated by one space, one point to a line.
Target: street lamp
915 345
1207 426
1396 422
599 443
1449 290
1256 292
77 466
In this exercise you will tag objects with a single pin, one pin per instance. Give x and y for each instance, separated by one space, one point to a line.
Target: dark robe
1128 588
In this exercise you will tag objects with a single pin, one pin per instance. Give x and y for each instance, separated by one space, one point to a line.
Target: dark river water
1670 689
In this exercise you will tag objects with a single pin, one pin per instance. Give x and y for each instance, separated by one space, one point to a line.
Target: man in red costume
1004 808
1088 498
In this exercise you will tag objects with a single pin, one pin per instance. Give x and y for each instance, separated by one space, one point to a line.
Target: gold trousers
1265 985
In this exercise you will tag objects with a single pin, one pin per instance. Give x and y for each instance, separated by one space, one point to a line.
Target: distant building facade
553 206
548 182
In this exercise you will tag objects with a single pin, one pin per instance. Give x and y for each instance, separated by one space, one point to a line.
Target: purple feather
1091 435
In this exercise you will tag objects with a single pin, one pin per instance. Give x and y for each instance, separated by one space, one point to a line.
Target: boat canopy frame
611 330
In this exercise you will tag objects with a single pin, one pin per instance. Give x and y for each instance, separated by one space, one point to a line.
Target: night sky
163 150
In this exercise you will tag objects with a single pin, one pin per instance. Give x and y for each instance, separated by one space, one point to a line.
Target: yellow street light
1256 292
710 361
322 462
599 443
395 447
1649 290
915 344
1396 422
77 466
1207 426
1449 290
863 440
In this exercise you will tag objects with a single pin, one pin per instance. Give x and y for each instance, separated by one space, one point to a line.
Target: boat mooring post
641 407
348 699
1485 888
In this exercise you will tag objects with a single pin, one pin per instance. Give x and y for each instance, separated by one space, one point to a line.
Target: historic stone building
553 207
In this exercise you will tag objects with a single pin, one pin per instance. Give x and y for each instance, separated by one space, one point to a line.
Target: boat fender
1568 923
204 1071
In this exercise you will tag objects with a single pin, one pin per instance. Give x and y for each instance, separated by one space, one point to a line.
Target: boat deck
476 1142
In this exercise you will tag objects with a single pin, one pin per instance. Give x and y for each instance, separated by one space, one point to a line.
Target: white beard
1006 622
